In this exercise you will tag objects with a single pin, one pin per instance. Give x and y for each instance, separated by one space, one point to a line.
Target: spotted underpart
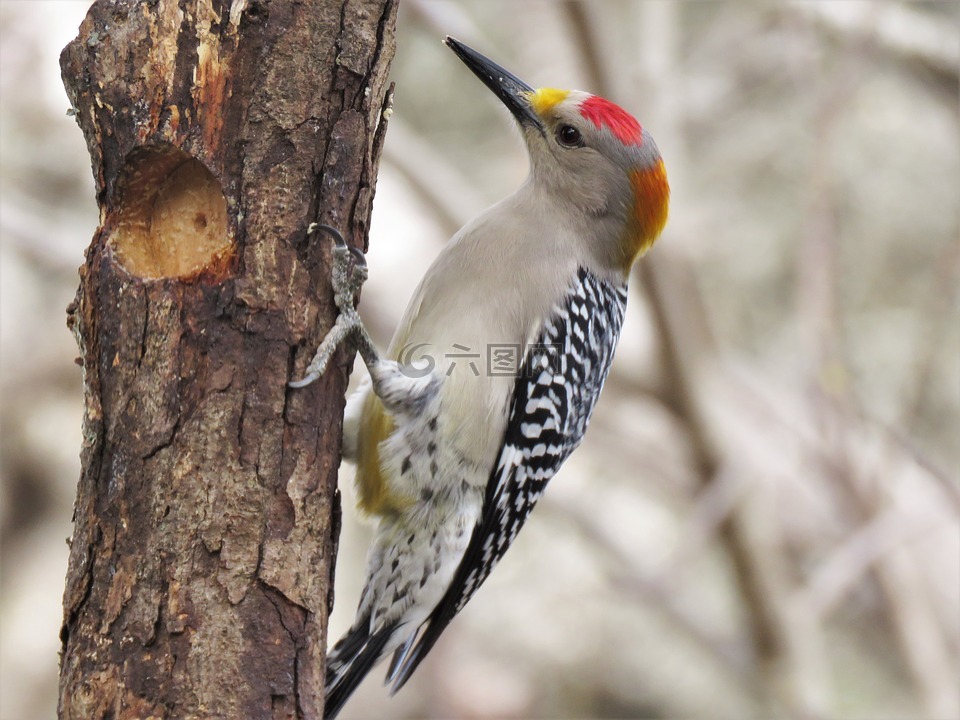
418 544
555 393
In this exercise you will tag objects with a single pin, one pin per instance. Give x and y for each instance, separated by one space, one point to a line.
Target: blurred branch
896 27
918 631
920 634
451 196
711 509
23 225
818 303
623 572
833 578
894 562
940 314
950 486
578 19
445 18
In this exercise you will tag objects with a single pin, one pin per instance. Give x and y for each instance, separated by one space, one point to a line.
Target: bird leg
347 278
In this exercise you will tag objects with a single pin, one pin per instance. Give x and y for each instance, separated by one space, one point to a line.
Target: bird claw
358 256
347 278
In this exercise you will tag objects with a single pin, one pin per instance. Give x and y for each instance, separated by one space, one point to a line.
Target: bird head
586 153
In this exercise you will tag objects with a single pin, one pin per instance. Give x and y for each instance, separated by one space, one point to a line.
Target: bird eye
569 136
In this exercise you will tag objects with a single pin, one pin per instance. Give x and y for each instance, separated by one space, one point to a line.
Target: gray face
581 163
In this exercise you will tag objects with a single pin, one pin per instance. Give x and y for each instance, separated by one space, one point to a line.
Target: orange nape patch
651 204
544 100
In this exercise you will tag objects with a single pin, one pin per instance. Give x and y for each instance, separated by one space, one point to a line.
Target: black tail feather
403 666
399 658
360 652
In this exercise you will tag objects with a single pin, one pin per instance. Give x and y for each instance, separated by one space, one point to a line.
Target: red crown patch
623 125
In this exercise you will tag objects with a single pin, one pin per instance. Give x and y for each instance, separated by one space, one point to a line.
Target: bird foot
347 278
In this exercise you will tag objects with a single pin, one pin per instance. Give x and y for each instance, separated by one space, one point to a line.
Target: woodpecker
494 370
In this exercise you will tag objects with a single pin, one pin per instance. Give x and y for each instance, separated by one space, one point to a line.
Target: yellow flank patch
544 100
651 202
374 496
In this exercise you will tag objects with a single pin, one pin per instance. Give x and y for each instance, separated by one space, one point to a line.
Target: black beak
512 91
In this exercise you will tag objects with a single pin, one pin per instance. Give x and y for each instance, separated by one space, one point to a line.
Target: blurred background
764 518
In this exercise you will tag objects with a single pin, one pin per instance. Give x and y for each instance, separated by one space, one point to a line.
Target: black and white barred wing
556 390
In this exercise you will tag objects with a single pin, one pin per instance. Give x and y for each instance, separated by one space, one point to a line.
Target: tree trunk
201 564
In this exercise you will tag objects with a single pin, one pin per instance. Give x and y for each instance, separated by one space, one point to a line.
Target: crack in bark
293 635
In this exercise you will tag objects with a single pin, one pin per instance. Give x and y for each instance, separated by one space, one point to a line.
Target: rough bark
201 563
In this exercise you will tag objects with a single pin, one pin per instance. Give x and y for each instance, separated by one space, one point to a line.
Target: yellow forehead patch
544 100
